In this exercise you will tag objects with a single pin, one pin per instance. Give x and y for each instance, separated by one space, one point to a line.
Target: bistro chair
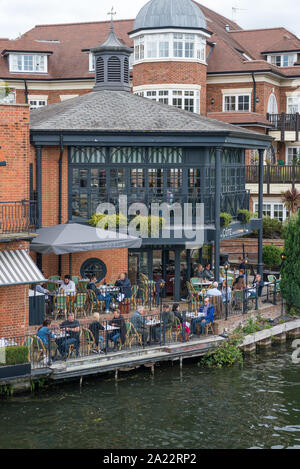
194 297
51 286
209 328
89 340
217 302
81 304
60 306
132 335
94 305
39 349
134 294
75 280
195 283
28 342
54 278
238 299
82 286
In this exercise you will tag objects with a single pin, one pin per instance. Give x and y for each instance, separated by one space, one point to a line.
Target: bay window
170 45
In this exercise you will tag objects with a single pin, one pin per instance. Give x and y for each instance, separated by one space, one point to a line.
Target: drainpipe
254 92
60 193
26 92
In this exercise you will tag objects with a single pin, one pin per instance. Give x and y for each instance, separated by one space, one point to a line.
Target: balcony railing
273 174
285 123
18 217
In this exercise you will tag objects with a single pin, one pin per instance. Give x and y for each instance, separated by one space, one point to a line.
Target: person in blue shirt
209 317
45 334
100 293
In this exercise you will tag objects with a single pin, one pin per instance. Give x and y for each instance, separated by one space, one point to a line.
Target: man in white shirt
68 286
213 291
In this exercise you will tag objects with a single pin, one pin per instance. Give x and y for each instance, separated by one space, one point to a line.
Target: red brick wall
152 73
14 139
53 95
14 303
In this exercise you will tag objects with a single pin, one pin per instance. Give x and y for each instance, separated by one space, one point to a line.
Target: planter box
15 371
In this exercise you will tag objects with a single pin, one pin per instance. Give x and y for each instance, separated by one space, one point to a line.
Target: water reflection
254 407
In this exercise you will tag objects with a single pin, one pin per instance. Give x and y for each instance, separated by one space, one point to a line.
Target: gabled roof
73 41
286 44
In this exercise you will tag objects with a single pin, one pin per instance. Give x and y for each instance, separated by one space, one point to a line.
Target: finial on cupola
112 62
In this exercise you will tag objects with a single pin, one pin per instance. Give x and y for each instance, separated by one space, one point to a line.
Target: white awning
17 268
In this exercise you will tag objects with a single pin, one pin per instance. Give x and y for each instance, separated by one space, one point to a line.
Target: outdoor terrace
18 219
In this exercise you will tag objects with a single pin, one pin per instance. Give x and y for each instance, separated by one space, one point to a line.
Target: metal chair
60 306
89 340
81 304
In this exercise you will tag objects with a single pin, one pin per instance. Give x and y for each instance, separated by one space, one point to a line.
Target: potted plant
225 219
244 216
15 362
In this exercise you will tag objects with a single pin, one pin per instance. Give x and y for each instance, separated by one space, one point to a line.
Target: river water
254 407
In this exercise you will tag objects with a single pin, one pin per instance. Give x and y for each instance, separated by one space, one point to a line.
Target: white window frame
272 104
169 96
22 58
40 101
272 203
91 62
293 104
288 159
236 98
286 60
161 46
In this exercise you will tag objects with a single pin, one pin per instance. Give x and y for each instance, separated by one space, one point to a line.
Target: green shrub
108 221
271 256
244 216
290 270
227 354
226 219
148 226
272 228
16 356
251 327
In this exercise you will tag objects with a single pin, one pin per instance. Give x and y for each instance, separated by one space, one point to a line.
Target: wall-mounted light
212 101
257 100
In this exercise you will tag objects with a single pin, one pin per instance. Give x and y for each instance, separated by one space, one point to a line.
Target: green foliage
272 228
251 326
15 356
226 355
6 390
226 219
107 222
286 223
290 270
244 216
271 256
148 226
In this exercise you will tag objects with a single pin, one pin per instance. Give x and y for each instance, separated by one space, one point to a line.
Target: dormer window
28 63
283 60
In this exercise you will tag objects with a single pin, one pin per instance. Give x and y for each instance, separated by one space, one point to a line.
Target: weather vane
112 13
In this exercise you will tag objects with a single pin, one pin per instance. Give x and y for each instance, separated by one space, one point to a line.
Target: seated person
41 289
45 334
177 314
257 287
207 274
241 275
214 291
239 284
168 317
209 317
68 286
199 272
72 329
95 327
226 293
139 322
101 294
120 333
124 284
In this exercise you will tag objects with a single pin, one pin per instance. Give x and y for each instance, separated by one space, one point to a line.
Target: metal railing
18 217
274 174
285 122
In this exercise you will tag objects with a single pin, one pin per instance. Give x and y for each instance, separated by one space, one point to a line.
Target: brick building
214 67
